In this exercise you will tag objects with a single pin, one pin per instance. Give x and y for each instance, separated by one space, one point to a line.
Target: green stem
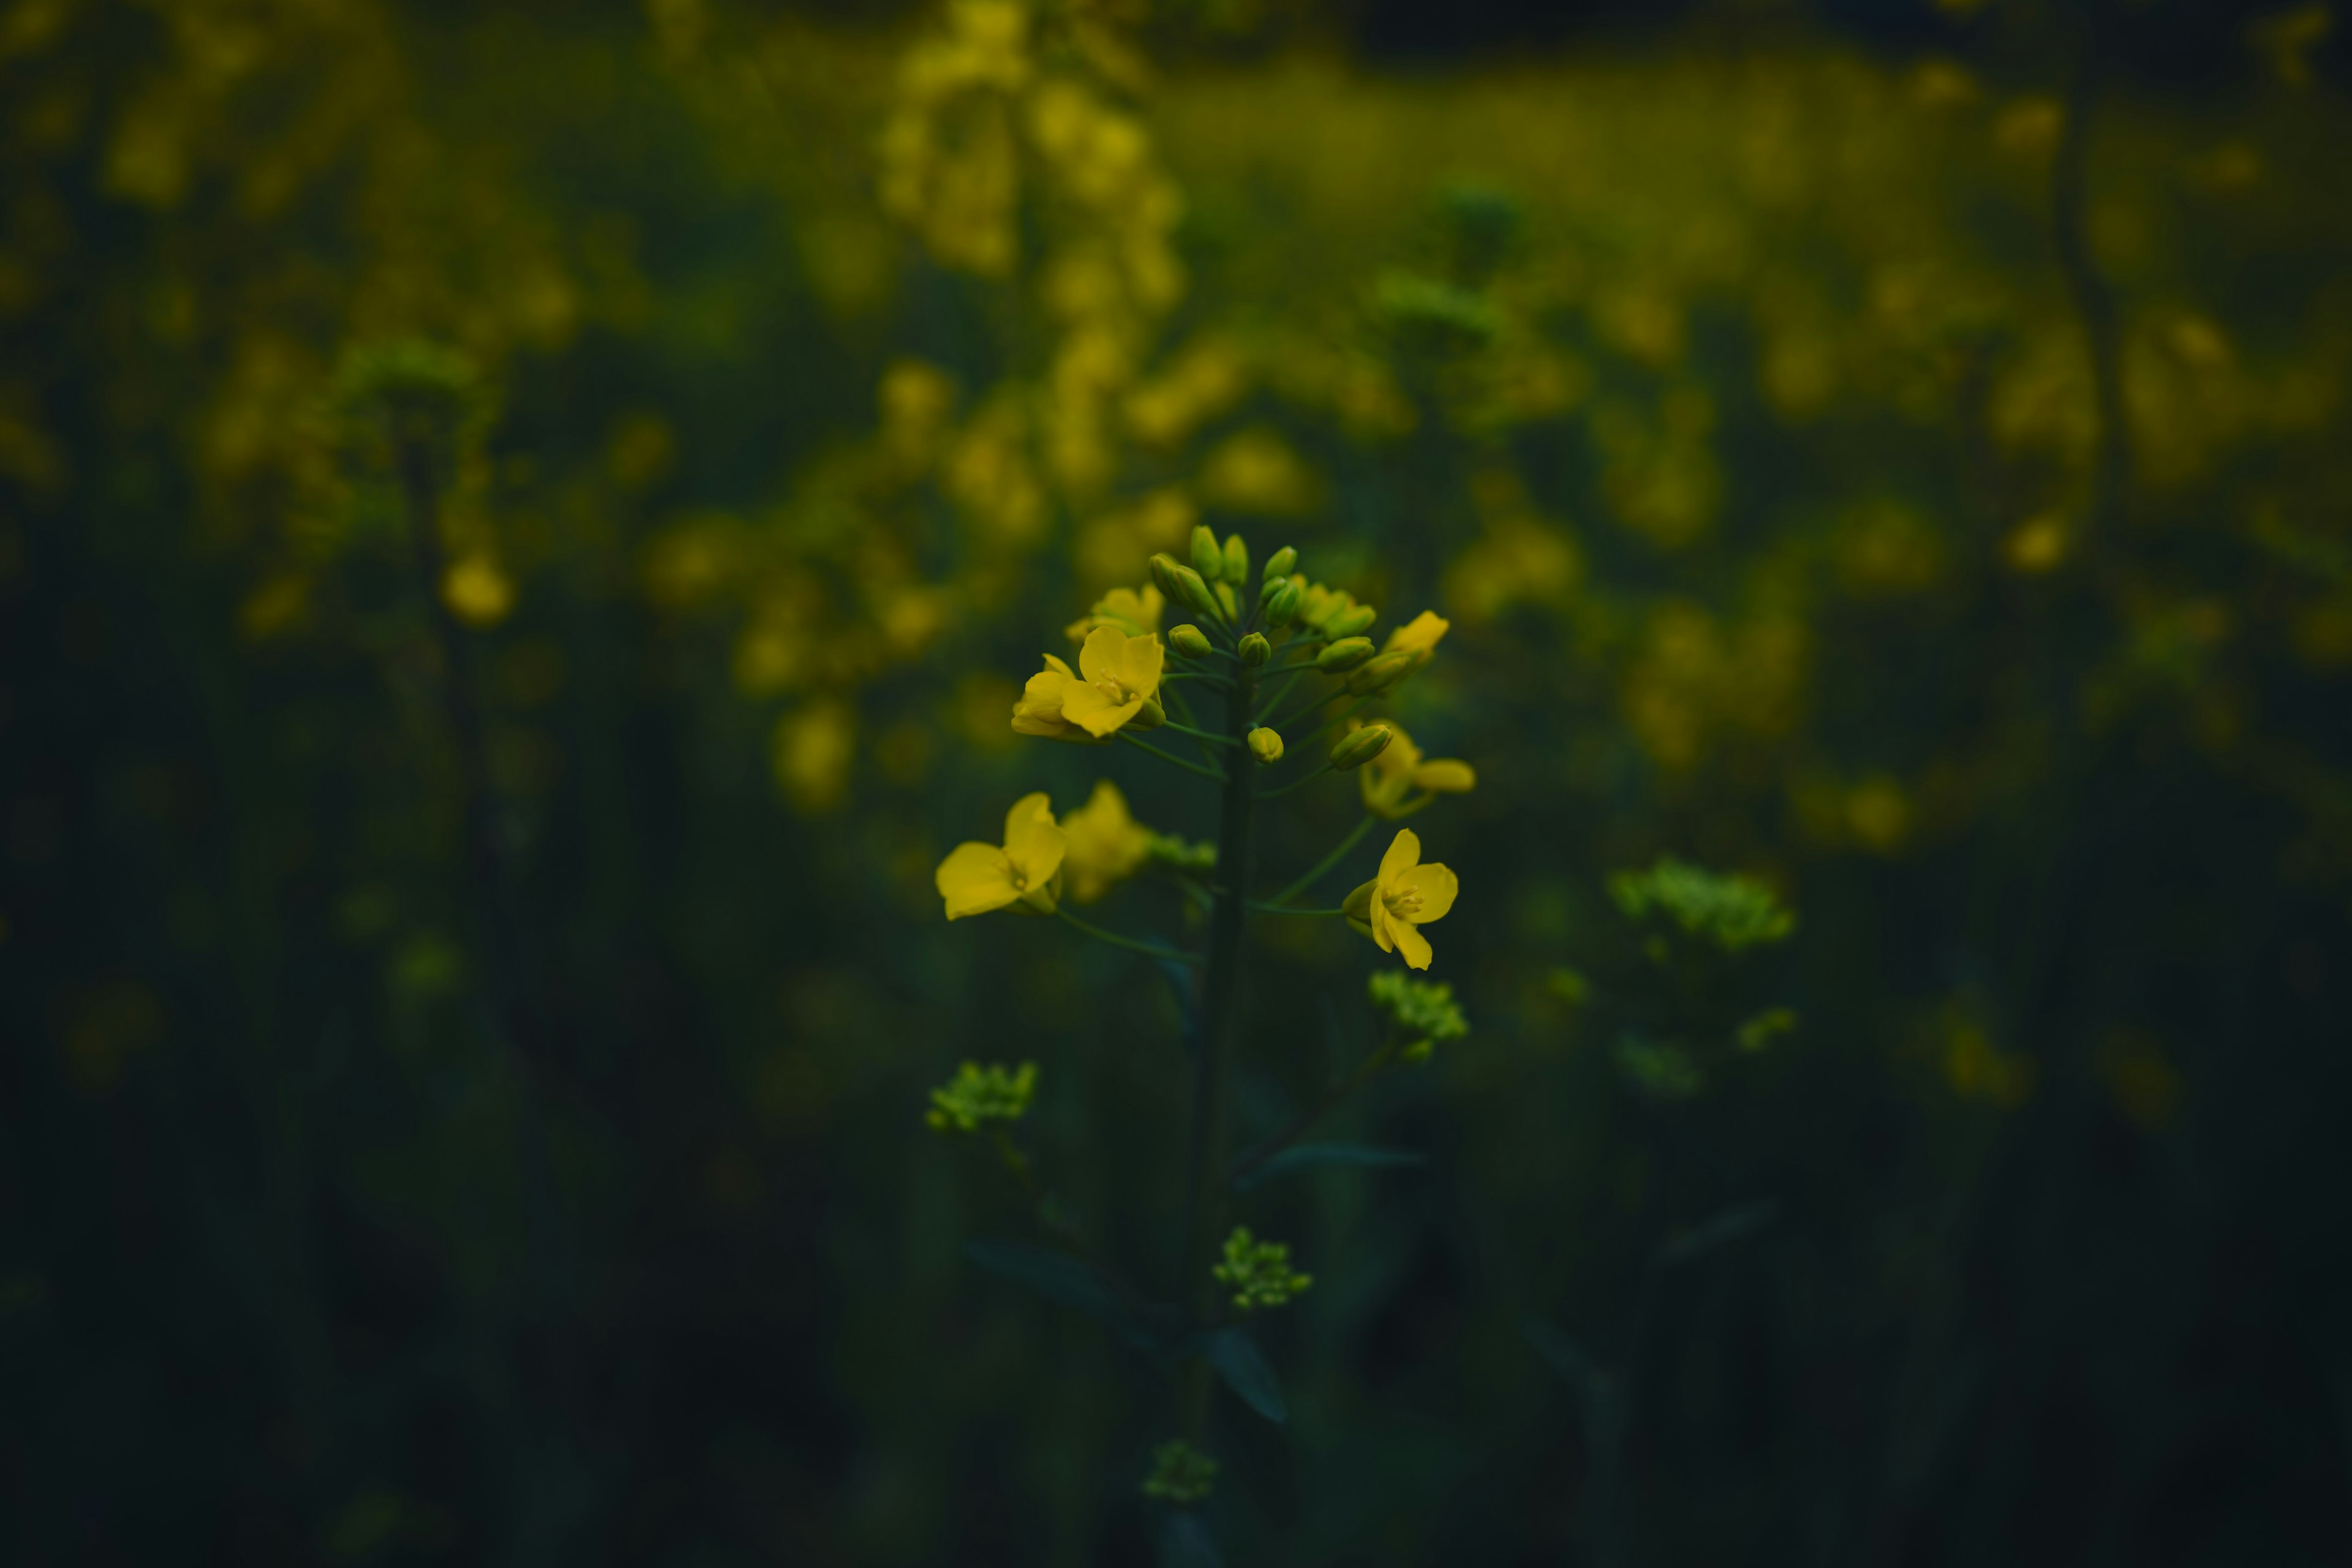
1152 949
1296 714
1196 675
1338 853
1285 789
1331 1101
1265 909
1214 740
1172 757
1335 719
1205 1190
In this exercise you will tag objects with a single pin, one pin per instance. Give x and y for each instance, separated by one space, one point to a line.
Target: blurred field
1818 490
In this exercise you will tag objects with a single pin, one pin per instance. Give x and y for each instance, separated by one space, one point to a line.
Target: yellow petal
1384 926
975 878
1100 656
1445 777
1036 850
1412 945
1140 665
1042 694
1419 634
1436 885
1096 714
1404 854
1025 810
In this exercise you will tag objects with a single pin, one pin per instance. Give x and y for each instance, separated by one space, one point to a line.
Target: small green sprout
978 1094
1181 1474
1425 1010
1733 912
1259 1272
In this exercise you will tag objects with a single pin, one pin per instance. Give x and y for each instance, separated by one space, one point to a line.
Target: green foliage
1423 1011
1258 1273
1733 912
979 1095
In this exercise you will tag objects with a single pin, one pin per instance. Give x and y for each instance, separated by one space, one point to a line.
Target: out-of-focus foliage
408 1159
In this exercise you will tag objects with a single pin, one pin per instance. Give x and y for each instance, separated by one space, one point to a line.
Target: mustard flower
1133 611
1419 637
1027 871
1393 906
1400 781
1105 843
1117 683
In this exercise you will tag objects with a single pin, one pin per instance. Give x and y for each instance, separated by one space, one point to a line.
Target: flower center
1020 881
1109 686
1404 903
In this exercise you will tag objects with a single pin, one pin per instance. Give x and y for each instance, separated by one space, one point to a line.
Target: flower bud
1281 564
1345 654
1188 640
1164 567
1265 744
1349 625
1357 747
1283 608
1256 649
1236 560
1381 674
1185 587
1150 716
1357 907
1268 590
1226 598
1207 559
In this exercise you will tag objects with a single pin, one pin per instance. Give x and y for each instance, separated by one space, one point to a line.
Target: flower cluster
978 1094
1733 912
1181 1474
1258 1272
1425 1011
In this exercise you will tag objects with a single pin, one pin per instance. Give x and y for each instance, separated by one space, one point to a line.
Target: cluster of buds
1423 1011
1258 1272
978 1095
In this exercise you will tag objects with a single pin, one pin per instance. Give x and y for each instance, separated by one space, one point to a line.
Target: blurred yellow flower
477 592
1399 782
1406 895
1135 612
978 878
1105 843
1117 681
1419 636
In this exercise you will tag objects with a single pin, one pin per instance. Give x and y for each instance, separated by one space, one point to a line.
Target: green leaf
1729 1226
1244 1368
1305 1156
1069 1280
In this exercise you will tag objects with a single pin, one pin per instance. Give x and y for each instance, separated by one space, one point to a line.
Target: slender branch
1172 757
1304 779
1198 734
1217 680
1282 690
1267 908
1337 719
1338 853
1329 1101
1150 949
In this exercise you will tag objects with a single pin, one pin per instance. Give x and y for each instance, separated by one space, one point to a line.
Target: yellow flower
1392 906
1118 682
1418 637
1133 611
1105 843
977 877
1400 781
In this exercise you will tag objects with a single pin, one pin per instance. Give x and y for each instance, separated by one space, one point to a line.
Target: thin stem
1338 853
1218 680
1329 1101
1213 739
1172 757
1292 678
1285 789
1150 949
1267 908
1296 714
1337 719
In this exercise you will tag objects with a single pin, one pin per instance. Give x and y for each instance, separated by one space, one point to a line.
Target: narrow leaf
1729 1226
1067 1280
1244 1368
1307 1156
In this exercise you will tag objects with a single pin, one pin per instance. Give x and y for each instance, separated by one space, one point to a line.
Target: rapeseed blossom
1419 637
1104 844
1135 612
1027 870
1400 781
1117 683
1406 895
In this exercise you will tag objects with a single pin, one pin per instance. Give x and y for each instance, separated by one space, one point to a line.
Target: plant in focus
1264 692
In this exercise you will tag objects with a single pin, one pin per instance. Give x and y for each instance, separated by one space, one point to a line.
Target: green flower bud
1256 650
1345 654
1283 608
1150 716
1381 673
1236 559
1281 564
1357 907
1349 625
1357 747
1164 568
1232 605
1186 589
1207 559
1188 640
1267 744
1268 590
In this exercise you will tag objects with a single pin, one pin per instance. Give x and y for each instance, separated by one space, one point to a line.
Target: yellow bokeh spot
814 748
477 591
2038 544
